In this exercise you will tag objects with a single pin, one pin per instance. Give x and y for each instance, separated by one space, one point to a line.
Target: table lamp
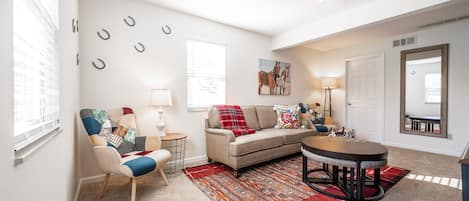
328 83
161 98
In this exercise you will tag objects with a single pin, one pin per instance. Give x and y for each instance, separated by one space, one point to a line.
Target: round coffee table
345 151
176 144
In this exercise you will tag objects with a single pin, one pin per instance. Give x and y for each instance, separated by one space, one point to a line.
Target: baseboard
87 180
195 160
424 149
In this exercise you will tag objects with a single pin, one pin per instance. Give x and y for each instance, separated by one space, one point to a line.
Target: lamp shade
161 97
329 82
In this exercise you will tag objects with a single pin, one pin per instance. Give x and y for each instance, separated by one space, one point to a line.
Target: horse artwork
274 78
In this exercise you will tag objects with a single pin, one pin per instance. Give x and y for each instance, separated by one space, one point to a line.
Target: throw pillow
115 141
287 116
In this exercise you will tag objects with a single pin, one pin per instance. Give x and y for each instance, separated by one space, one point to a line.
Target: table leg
352 183
359 181
362 183
305 169
344 176
377 176
335 174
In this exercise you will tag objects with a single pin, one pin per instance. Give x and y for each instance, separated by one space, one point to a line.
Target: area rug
276 180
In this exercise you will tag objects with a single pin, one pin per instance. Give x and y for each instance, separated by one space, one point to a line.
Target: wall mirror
424 91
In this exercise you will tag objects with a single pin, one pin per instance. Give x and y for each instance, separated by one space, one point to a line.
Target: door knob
349 104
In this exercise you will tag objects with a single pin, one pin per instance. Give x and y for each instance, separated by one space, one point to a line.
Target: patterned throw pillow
106 129
130 135
115 140
287 116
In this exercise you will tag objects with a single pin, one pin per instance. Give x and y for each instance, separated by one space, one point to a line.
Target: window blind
36 71
205 75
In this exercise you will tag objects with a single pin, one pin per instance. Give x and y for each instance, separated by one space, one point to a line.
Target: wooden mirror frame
444 90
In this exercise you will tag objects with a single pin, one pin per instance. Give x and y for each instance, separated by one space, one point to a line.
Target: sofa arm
218 144
109 160
223 132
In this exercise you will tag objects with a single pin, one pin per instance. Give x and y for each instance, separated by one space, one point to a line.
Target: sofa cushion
250 117
261 140
291 136
249 112
213 118
266 116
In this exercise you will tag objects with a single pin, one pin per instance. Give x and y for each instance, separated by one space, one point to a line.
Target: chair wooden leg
134 189
164 176
103 187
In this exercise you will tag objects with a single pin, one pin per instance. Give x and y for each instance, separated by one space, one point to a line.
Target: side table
176 144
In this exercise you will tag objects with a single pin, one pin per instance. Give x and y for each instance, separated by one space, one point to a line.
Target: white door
365 97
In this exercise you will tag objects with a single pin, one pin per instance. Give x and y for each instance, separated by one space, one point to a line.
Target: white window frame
30 138
428 90
203 107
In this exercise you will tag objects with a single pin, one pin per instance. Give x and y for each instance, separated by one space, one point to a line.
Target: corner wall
50 172
333 63
129 76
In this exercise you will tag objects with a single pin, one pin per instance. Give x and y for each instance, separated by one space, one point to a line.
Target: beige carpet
432 178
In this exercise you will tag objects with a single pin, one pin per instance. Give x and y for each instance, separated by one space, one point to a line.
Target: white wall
415 90
130 76
455 34
48 174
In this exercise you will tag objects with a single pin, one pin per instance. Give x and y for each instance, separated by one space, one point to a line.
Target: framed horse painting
274 78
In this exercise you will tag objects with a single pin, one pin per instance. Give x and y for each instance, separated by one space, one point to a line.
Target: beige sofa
266 144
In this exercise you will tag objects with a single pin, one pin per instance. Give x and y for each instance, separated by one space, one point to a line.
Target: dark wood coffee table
347 149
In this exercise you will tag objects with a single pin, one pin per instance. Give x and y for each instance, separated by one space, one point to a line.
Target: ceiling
268 17
279 17
389 28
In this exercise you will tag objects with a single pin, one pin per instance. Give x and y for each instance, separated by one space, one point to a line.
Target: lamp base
160 125
161 133
160 130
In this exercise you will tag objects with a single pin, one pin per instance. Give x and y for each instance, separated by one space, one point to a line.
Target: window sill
197 109
27 150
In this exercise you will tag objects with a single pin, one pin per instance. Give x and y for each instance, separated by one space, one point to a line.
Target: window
205 75
433 88
36 72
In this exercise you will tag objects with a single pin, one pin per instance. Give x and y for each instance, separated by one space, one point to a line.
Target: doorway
365 97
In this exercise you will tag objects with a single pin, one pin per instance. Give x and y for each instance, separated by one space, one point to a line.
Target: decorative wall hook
106 36
78 59
132 21
74 27
101 66
139 47
77 25
166 29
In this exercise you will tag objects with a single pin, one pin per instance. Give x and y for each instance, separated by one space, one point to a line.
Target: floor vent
444 21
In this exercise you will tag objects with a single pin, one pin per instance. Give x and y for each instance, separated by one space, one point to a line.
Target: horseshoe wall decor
101 66
77 25
139 47
74 27
166 29
106 36
132 21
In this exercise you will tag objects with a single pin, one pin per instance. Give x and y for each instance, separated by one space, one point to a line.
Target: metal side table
176 144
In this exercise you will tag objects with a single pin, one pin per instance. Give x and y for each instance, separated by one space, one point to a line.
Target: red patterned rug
275 180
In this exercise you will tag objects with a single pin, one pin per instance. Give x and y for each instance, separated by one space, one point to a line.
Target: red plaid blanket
232 118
